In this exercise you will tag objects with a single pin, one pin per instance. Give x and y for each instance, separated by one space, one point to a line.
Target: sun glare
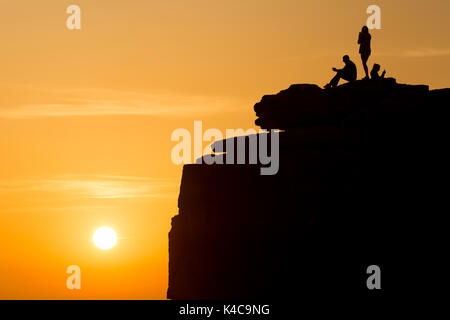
105 238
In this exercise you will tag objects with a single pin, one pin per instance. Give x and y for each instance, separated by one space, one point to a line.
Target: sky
86 115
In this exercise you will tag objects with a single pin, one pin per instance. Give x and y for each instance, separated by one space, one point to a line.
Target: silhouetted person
374 73
347 73
364 48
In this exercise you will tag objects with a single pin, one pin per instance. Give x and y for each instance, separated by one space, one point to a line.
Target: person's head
365 29
376 67
346 58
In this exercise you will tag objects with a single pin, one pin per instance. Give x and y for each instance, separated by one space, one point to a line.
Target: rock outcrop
356 186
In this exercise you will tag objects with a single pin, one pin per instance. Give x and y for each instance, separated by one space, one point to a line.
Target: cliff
356 186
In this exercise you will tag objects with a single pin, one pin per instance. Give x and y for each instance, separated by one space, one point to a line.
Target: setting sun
102 103
105 238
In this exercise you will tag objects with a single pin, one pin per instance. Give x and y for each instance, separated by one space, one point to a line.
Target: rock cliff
356 186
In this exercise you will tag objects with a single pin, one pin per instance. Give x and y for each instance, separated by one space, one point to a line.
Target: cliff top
306 104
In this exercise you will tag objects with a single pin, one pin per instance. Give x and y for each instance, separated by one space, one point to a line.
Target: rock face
356 187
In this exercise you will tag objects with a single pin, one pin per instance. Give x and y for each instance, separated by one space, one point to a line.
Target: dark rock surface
358 184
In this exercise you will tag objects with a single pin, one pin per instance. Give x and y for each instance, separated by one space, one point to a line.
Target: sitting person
347 73
374 73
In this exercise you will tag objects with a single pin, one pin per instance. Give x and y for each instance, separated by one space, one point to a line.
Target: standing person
364 48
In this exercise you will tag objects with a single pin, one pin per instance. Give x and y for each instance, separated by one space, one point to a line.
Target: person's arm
383 74
359 38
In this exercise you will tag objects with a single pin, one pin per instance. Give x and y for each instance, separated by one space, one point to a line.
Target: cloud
417 53
93 187
428 53
100 102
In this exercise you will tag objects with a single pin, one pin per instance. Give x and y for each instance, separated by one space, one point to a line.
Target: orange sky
86 116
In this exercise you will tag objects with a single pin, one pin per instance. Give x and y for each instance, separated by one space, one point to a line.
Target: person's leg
346 76
364 58
334 82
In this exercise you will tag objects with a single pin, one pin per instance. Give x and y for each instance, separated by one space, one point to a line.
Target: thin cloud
417 53
428 53
93 187
100 102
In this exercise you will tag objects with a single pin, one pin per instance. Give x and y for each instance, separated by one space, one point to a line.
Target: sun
105 238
